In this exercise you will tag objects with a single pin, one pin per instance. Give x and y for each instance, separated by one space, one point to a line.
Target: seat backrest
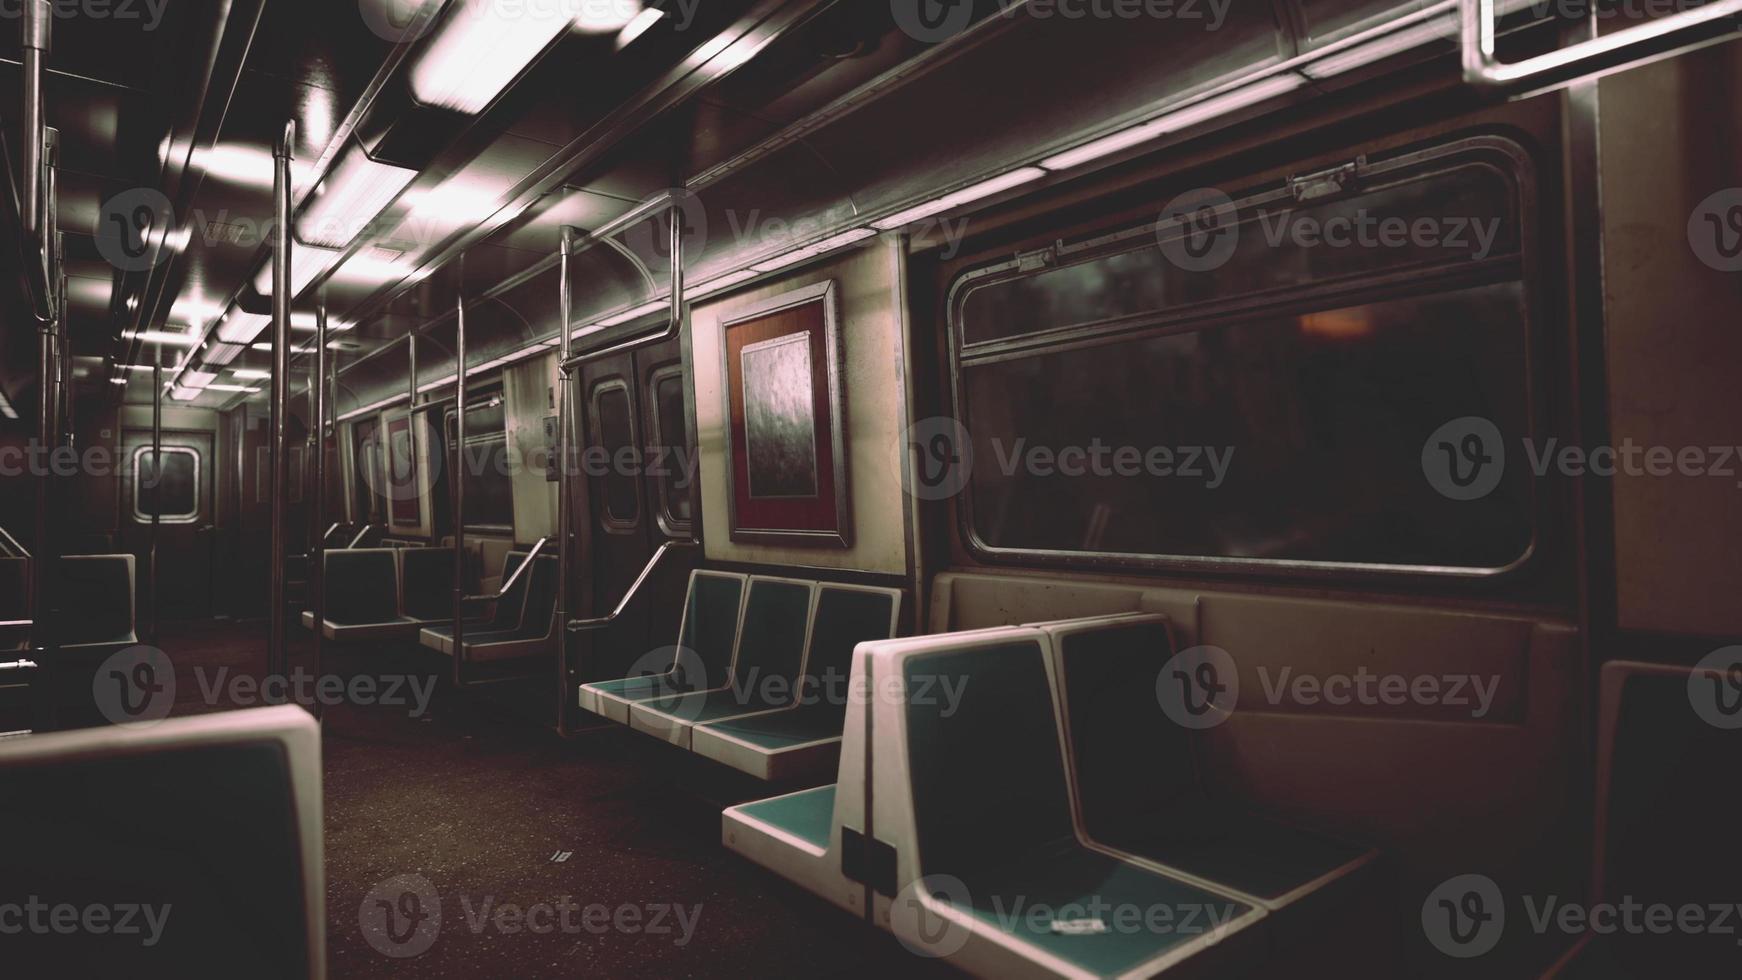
709 631
540 597
362 586
511 608
95 596
983 752
1108 670
771 641
846 617
426 583
245 784
14 588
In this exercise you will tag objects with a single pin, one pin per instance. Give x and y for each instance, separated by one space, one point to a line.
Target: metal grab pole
457 482
37 39
277 651
156 484
564 545
45 565
318 548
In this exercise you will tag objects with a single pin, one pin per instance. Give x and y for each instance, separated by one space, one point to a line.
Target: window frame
139 515
667 490
1506 156
450 429
612 523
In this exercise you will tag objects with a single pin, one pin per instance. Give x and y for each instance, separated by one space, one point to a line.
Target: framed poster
405 465
786 460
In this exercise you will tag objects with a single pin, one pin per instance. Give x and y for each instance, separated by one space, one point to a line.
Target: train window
1276 408
614 433
675 456
489 480
173 485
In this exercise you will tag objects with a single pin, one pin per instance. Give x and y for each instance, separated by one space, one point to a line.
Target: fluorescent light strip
353 196
165 338
113 381
1441 29
221 354
724 282
823 247
306 265
483 47
251 374
642 23
197 379
587 331
243 388
1183 118
967 195
645 309
185 394
242 328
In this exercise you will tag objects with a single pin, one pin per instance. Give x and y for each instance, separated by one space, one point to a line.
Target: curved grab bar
11 542
509 584
360 536
1658 38
599 622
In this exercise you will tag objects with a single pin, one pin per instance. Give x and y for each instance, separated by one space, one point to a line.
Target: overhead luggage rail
1634 46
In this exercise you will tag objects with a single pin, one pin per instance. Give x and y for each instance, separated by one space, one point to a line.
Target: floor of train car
477 797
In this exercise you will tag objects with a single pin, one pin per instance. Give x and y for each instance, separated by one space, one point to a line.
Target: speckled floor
477 796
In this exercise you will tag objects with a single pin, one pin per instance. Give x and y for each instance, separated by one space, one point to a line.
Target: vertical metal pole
277 653
564 550
318 551
457 485
37 39
156 487
39 206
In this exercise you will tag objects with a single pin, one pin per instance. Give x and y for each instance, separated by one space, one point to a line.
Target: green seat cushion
700 706
809 815
1145 914
1245 851
782 729
634 688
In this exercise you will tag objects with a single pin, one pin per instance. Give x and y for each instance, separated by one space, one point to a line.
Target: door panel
184 498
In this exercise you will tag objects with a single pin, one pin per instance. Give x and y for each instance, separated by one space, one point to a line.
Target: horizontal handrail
17 624
501 593
17 665
1483 67
599 622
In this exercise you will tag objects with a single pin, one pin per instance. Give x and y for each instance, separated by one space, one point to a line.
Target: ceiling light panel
352 198
483 46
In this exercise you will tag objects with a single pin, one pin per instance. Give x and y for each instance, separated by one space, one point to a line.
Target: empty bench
523 622
996 765
759 676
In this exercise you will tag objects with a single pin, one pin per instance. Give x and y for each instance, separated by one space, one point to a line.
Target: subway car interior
1206 489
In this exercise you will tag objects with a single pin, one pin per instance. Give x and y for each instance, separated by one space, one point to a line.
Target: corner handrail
498 595
360 536
11 542
599 622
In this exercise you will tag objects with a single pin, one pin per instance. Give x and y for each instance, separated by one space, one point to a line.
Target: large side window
1286 377
170 484
485 464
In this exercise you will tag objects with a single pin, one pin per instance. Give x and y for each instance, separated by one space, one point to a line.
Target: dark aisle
478 802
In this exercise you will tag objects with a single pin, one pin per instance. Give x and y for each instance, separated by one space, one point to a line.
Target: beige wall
871 349
528 388
1669 139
